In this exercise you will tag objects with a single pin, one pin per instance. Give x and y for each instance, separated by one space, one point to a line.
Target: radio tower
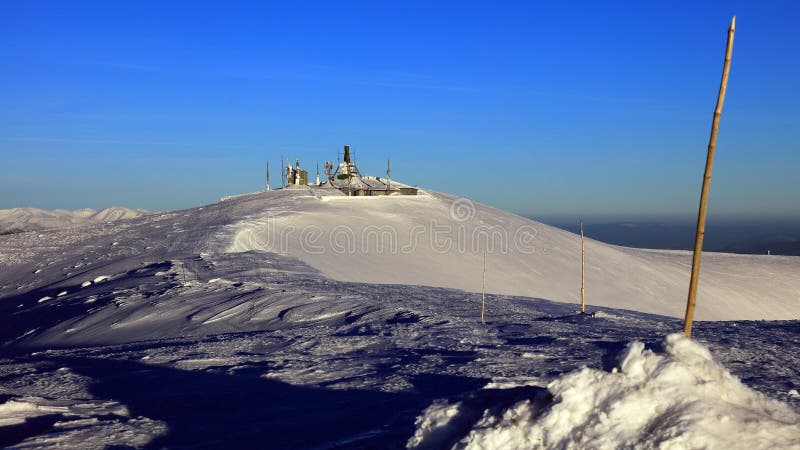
268 188
388 176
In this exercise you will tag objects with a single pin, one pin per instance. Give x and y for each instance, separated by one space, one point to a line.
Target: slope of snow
150 332
682 399
361 380
29 219
143 278
438 240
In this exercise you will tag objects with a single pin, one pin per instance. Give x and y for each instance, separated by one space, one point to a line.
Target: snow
14 412
199 329
438 240
681 399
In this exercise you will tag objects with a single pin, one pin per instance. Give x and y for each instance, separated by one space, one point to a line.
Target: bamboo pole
701 215
483 291
583 290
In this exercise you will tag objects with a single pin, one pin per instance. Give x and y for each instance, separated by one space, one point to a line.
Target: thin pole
283 173
483 292
583 291
701 215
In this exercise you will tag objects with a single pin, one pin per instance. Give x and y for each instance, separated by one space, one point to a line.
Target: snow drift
252 344
149 277
438 240
681 399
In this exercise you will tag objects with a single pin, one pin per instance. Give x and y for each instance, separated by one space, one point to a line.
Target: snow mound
435 239
78 423
677 400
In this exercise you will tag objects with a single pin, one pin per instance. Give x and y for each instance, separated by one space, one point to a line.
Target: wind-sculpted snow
438 240
193 328
682 399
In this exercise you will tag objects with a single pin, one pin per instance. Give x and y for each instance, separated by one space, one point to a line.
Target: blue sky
545 109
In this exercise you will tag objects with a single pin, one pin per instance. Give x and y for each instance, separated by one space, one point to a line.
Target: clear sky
548 109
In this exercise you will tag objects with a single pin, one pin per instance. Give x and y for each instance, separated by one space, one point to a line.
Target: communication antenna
289 171
268 188
388 175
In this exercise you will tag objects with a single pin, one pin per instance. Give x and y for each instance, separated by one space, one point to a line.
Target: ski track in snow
177 341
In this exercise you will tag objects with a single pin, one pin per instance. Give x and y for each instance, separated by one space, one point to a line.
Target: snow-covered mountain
30 219
435 239
430 239
300 318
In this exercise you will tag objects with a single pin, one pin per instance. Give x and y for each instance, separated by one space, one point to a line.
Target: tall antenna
268 188
388 175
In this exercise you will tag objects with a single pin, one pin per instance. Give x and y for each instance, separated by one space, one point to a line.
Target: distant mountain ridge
757 238
18 220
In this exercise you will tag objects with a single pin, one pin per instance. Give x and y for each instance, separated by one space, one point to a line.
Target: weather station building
345 177
295 176
348 179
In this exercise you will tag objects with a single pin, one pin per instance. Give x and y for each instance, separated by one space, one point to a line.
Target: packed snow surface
682 399
434 239
201 328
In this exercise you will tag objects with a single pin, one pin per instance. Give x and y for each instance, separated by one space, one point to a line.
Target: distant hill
777 238
17 220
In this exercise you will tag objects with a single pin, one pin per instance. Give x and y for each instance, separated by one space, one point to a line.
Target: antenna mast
268 188
280 166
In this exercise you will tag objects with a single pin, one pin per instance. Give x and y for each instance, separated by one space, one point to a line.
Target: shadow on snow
205 409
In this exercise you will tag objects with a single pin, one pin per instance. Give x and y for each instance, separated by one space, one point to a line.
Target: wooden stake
483 292
583 291
701 215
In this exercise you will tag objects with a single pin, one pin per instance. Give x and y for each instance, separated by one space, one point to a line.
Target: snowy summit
305 317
